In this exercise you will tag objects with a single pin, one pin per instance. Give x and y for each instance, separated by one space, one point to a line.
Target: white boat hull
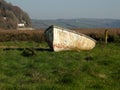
61 39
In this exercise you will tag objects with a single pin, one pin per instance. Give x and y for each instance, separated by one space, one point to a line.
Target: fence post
106 36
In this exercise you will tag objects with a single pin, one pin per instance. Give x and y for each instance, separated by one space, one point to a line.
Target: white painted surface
64 39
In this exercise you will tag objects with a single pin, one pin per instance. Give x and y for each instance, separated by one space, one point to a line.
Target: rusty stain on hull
60 39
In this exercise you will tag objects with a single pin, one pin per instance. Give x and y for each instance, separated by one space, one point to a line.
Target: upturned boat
61 39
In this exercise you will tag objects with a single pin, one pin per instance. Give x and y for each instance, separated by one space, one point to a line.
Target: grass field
98 69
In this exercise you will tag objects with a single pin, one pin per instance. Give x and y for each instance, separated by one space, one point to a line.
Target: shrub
17 35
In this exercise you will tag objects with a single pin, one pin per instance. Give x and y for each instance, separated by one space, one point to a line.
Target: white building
21 25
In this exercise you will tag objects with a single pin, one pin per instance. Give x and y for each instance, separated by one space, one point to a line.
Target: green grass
23 44
98 69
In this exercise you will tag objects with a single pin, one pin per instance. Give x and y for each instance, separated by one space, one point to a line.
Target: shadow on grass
28 52
20 48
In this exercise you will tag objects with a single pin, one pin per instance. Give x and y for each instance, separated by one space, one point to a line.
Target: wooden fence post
106 36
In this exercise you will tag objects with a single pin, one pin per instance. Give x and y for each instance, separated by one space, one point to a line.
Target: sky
69 9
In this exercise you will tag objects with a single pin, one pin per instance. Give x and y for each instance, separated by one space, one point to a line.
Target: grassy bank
98 69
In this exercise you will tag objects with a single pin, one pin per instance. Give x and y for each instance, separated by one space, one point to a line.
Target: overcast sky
69 9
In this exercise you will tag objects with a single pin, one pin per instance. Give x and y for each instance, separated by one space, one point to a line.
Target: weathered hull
60 39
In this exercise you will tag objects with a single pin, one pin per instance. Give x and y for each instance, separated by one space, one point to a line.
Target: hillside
78 23
11 16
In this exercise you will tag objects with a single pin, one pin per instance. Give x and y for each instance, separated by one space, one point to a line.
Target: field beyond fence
38 35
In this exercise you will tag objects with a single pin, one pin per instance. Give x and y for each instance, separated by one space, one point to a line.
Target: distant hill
11 16
78 23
